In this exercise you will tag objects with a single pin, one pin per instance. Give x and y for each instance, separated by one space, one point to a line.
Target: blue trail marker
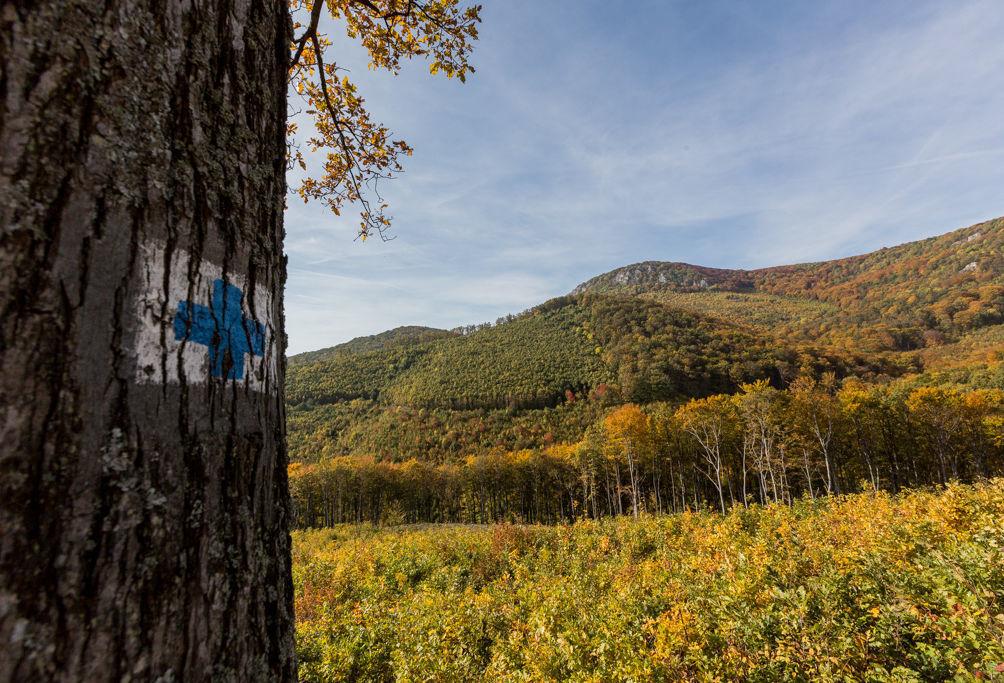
222 328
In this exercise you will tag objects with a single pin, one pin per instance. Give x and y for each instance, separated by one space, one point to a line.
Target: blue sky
597 134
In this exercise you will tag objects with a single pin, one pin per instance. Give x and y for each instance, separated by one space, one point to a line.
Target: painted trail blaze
222 328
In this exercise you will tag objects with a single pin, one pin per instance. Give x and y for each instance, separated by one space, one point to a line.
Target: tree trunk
633 475
144 512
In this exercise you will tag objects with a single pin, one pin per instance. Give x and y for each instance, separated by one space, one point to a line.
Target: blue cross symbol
222 327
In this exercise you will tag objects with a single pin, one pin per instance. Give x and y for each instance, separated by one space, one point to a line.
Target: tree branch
369 220
309 33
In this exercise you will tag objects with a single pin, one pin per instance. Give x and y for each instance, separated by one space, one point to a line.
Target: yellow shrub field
864 587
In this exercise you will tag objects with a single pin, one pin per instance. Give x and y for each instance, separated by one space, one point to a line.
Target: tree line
760 445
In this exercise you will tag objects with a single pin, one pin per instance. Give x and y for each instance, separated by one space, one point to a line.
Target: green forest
656 333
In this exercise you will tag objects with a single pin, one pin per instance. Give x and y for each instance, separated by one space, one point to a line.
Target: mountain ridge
667 273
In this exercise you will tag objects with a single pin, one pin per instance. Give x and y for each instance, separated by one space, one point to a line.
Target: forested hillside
928 313
399 336
899 298
539 378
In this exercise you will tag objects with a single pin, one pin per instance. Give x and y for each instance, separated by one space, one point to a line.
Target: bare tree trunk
144 509
746 501
591 492
683 492
808 473
824 446
672 483
718 486
620 488
655 488
633 475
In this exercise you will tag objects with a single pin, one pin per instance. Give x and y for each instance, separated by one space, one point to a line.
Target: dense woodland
537 379
757 446
663 387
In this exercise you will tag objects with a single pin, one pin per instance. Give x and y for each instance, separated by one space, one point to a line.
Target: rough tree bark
143 494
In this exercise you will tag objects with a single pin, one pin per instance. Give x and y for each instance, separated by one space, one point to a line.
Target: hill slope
655 331
399 336
943 286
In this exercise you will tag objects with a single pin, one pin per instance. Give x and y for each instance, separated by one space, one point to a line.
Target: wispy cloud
597 134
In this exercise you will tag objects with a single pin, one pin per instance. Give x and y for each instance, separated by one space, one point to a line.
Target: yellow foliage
359 151
870 586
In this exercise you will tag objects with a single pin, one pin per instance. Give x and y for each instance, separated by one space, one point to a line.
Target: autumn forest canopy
666 386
